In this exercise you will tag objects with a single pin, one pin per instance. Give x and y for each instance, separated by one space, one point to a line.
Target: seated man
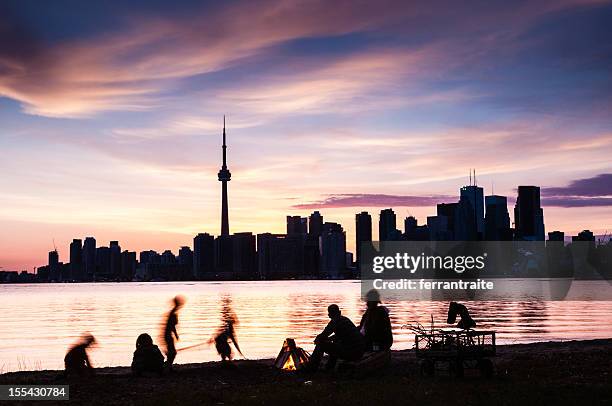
147 357
466 321
375 324
76 361
346 342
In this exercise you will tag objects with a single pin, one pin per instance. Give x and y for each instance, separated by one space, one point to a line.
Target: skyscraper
89 257
497 219
203 256
316 224
76 259
386 225
115 259
475 196
297 225
528 214
363 231
333 251
224 177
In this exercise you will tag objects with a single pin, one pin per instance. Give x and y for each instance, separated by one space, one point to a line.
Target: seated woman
466 321
375 325
147 357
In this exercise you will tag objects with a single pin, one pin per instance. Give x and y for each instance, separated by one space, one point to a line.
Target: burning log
291 357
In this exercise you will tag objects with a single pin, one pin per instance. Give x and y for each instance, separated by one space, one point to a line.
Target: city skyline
110 116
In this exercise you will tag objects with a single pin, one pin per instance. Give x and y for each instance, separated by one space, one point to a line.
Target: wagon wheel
486 367
427 367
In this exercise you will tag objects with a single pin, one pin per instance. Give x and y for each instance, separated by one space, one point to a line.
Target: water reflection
40 321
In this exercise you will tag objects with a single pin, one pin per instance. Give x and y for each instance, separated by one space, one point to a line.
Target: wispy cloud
374 200
594 191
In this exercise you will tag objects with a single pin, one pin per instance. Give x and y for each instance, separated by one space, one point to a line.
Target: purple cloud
375 200
594 191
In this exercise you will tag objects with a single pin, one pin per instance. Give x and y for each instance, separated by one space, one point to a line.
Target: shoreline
561 371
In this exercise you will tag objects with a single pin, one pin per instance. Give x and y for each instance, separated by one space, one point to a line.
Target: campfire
291 357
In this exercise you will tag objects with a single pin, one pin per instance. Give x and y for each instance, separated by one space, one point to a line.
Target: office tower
168 258
297 225
224 177
497 219
449 211
316 224
474 195
76 260
280 255
386 225
128 265
363 233
203 256
89 258
333 250
528 214
556 236
584 235
244 256
185 257
438 228
115 259
103 263
54 266
410 225
414 232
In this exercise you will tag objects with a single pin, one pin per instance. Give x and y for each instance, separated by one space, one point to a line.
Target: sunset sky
111 114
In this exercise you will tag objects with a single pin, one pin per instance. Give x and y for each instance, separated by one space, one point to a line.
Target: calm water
39 322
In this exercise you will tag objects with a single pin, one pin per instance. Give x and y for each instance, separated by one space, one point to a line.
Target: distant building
115 259
387 225
203 256
103 263
465 220
438 228
363 233
297 225
528 214
76 260
280 256
168 258
128 265
244 256
89 258
54 266
315 226
556 236
474 195
185 257
333 251
449 211
497 219
584 235
414 232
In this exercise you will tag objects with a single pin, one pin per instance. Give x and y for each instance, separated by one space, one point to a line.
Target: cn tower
224 177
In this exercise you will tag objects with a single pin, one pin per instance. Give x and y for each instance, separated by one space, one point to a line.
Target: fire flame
289 364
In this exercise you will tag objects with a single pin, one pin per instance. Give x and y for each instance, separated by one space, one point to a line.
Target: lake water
38 322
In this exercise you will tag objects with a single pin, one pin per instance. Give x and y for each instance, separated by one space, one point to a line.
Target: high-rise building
316 224
103 263
558 236
528 214
89 258
54 266
584 235
474 195
497 219
449 211
438 228
76 259
280 255
115 259
203 256
363 233
224 177
185 257
128 265
333 250
244 256
386 225
297 225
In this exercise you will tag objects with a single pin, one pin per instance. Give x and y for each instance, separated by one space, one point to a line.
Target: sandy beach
572 372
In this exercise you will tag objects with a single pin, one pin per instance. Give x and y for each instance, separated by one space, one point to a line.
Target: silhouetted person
76 361
170 332
147 357
227 332
466 321
375 325
340 340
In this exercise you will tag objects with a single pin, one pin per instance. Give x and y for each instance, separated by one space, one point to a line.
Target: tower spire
224 177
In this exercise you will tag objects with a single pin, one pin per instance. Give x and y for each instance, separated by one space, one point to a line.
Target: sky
111 114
